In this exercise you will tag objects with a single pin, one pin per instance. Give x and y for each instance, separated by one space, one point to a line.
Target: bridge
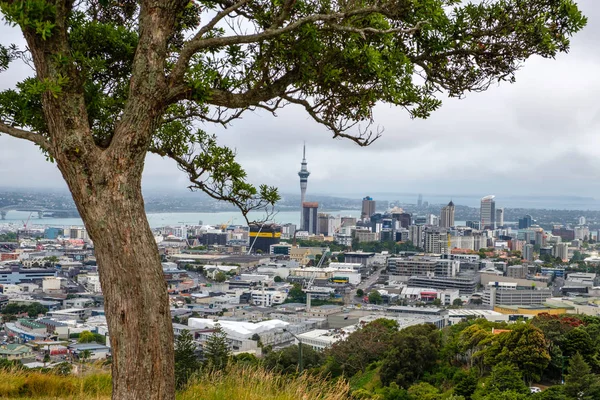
40 210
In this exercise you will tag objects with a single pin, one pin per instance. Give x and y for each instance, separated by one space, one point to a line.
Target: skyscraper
525 222
368 208
447 216
310 222
303 174
499 217
488 212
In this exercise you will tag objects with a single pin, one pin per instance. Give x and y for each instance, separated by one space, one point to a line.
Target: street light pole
300 360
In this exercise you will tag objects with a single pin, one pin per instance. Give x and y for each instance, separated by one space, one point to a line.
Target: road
349 298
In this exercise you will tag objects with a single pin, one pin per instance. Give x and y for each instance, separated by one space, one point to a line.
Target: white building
51 283
268 298
320 339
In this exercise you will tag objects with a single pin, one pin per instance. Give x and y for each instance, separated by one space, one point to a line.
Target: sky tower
303 174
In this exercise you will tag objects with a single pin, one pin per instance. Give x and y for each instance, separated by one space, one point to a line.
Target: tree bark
109 198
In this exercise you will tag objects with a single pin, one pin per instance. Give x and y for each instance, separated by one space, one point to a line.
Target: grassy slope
237 383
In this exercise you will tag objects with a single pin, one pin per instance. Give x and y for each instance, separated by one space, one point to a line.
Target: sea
157 220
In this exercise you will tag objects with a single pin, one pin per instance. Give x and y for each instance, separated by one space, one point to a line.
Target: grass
240 383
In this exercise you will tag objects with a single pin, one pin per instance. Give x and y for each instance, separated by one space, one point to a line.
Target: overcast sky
538 136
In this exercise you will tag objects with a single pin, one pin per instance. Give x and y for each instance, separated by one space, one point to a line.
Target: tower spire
303 174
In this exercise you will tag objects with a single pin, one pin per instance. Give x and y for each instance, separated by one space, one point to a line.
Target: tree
186 362
86 337
457 302
506 377
286 360
277 279
216 350
375 297
580 383
46 358
220 277
360 292
117 80
414 351
466 384
361 348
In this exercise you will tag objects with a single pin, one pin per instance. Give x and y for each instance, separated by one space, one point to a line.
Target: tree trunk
109 200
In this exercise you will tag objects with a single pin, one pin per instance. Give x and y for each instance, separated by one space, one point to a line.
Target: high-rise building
499 217
488 212
581 220
525 222
303 174
420 201
415 235
447 216
528 252
561 250
309 213
436 241
368 208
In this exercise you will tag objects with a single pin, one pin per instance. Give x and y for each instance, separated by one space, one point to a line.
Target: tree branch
23 134
365 137
198 43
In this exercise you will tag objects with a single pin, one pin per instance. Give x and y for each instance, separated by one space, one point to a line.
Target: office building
525 222
368 208
464 285
416 234
497 295
561 250
488 212
436 241
310 215
263 236
499 217
447 216
303 174
528 252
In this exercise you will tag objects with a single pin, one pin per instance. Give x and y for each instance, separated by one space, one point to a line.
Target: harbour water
17 218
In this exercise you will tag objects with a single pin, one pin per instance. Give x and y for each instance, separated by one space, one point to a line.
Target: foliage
360 348
360 292
220 277
186 361
216 350
580 383
375 297
296 295
286 360
524 346
8 237
466 384
414 351
278 279
457 302
86 337
33 310
506 377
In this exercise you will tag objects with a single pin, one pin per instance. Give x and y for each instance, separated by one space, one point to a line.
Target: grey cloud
537 136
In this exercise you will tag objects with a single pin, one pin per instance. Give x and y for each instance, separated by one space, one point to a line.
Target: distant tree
216 350
278 279
220 277
580 382
457 302
296 295
375 297
46 358
35 309
414 351
63 368
86 337
186 362
424 391
437 302
360 292
465 384
361 348
341 257
506 377
286 360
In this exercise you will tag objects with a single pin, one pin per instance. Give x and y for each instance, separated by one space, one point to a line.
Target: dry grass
251 383
36 385
239 383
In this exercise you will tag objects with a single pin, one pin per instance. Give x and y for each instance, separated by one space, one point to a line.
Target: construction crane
226 224
309 285
25 224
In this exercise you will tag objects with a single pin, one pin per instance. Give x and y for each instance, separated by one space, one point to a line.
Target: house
15 352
